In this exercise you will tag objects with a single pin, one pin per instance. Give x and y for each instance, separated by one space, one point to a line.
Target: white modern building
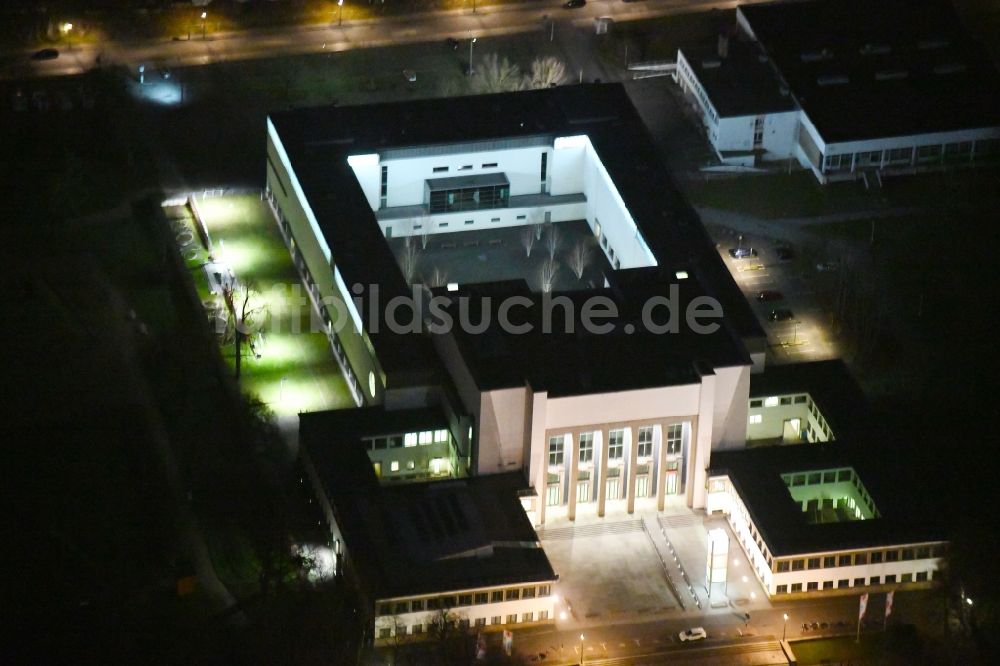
848 89
808 524
617 389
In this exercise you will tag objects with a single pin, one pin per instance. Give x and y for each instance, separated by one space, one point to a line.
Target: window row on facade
961 151
464 623
616 444
842 583
406 440
471 598
859 558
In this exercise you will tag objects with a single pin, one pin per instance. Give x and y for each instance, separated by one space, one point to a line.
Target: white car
692 634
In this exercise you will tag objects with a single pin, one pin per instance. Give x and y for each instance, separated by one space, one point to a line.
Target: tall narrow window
587 447
545 165
616 440
674 436
384 189
556 450
645 441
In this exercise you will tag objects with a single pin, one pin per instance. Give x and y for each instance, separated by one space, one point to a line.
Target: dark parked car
452 43
45 54
741 252
780 314
769 295
784 253
574 4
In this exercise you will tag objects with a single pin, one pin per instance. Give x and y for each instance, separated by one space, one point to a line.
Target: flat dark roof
743 83
831 386
910 66
420 538
756 474
319 140
462 182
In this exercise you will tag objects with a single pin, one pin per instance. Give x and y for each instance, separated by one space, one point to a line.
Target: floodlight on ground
452 286
681 275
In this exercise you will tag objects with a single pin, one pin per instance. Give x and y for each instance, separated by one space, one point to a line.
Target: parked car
769 295
784 253
45 54
742 252
409 75
826 266
452 43
692 634
574 4
780 314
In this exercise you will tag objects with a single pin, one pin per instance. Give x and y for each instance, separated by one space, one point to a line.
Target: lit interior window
440 435
773 401
425 437
394 466
410 439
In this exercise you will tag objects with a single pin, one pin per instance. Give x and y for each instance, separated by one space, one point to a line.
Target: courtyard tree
495 74
247 315
546 72
528 238
409 258
438 278
579 257
552 241
547 274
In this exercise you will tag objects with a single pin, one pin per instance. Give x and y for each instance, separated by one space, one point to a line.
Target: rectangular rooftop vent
949 68
933 43
711 63
816 56
833 80
875 49
891 75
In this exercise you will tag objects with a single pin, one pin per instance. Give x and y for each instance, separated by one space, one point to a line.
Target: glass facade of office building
449 195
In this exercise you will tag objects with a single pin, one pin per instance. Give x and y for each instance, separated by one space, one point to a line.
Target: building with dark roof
823 517
884 87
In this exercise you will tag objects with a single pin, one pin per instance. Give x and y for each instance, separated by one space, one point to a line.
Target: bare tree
495 74
528 239
247 314
579 257
552 241
438 278
423 240
546 72
409 259
547 274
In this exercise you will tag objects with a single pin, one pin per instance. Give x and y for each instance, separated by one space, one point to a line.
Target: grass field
293 369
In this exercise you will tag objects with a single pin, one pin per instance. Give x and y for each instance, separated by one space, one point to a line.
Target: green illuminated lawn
296 371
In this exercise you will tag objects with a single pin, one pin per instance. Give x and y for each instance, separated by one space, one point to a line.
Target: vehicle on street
826 266
769 295
452 43
784 253
780 314
742 252
692 634
409 75
45 54
574 4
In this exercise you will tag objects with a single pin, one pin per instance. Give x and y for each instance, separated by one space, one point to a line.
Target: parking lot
805 335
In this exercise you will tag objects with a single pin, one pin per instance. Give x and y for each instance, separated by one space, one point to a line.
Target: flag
863 606
888 604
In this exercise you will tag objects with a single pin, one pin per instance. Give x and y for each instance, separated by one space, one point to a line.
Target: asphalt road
369 33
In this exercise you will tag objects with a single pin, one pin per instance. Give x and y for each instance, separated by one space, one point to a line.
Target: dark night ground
90 518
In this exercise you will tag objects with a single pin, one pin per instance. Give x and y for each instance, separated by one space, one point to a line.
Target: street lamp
204 15
471 43
784 626
67 28
340 12
581 649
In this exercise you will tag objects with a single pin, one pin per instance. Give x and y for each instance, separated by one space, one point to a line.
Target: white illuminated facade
504 183
832 495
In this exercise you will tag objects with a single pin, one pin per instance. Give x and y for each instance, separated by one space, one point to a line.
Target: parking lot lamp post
471 44
340 12
68 29
784 626
204 15
581 649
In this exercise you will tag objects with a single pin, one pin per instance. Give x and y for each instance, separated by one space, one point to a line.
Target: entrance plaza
616 569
